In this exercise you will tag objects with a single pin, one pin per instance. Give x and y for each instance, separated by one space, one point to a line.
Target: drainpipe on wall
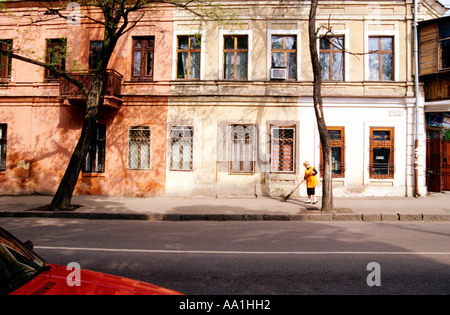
416 92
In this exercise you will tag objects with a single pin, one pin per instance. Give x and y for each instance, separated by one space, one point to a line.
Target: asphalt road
254 258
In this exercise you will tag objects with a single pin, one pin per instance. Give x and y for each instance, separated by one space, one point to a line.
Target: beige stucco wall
42 130
354 103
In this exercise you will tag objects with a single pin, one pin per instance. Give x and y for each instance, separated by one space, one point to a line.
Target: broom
285 198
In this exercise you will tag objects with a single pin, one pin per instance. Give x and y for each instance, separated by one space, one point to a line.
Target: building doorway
438 163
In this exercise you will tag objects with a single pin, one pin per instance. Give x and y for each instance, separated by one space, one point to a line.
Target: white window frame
338 33
175 48
222 34
396 46
271 32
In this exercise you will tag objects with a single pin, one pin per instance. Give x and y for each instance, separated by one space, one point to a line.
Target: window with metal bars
381 153
139 144
94 161
181 141
283 149
2 147
337 140
242 139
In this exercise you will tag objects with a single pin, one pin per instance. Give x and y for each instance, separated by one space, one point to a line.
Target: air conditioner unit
278 73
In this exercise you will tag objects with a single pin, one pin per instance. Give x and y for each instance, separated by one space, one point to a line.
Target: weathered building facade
199 109
42 115
434 71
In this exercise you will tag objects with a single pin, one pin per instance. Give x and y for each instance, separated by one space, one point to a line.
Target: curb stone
299 217
347 217
371 217
230 217
389 217
321 217
436 217
410 217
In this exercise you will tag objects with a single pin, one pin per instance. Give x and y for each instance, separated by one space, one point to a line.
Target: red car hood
54 282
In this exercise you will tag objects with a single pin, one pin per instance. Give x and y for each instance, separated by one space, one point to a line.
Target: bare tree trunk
327 189
116 23
63 197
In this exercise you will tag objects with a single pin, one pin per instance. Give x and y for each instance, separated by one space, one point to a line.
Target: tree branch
51 68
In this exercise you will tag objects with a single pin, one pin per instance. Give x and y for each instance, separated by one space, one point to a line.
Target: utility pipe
416 92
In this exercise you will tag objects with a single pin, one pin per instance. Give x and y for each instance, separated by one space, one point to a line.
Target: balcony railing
111 94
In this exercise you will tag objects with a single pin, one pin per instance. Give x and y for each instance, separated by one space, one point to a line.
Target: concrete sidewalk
433 207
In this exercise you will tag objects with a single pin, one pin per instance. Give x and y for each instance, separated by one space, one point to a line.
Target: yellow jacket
311 177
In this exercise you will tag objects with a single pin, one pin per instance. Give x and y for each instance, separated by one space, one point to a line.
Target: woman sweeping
311 182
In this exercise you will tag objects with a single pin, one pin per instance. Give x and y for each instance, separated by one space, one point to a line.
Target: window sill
381 179
4 81
91 175
139 169
175 170
388 182
137 80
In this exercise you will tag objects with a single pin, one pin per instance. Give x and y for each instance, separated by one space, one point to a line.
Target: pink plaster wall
42 131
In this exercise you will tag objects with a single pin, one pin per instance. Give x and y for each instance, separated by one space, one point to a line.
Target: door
445 165
434 164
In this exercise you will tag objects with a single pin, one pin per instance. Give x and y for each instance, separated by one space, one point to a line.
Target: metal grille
181 148
242 149
382 155
139 142
2 147
282 145
337 142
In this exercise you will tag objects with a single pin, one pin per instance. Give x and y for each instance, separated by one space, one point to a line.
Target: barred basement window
242 149
381 153
95 158
139 143
282 149
181 141
2 147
